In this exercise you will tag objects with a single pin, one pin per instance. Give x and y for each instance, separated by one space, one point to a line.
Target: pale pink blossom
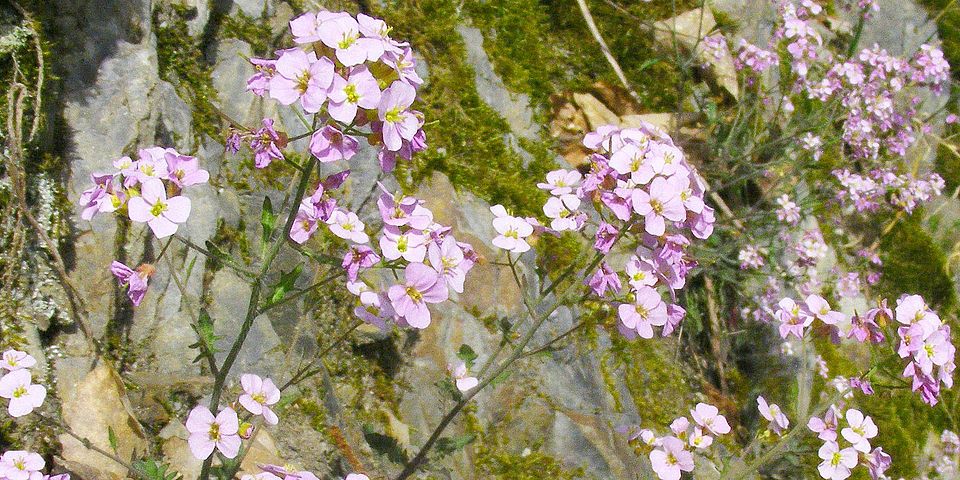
258 395
208 432
347 226
21 465
153 207
422 285
708 416
860 430
836 463
17 386
773 414
670 459
461 378
17 360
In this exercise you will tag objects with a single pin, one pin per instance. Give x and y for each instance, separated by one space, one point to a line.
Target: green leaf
467 355
112 438
287 280
154 470
447 445
268 220
206 338
648 63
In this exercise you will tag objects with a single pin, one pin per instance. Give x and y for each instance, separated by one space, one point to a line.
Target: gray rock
513 107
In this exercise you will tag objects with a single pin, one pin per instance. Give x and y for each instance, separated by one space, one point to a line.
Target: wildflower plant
656 234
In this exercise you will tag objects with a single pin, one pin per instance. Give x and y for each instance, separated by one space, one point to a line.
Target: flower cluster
348 70
838 462
224 431
23 465
924 340
883 187
17 385
149 190
639 184
670 456
432 260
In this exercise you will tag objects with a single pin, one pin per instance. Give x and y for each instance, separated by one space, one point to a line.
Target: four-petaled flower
17 386
162 214
258 395
208 432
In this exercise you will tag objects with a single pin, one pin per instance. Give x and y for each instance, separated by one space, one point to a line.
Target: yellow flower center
393 115
19 391
214 431
414 294
351 92
303 82
158 208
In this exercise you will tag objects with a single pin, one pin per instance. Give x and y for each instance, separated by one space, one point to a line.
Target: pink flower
826 427
152 164
346 95
641 273
359 256
836 463
266 144
447 257
708 416
860 430
347 226
305 223
563 212
788 212
258 395
660 204
17 360
207 432
282 473
561 182
818 307
459 372
409 245
670 459
184 170
342 33
603 279
512 231
605 236
259 82
699 440
773 414
95 199
422 285
404 64
329 145
301 76
21 465
792 318
24 396
399 123
877 463
159 212
134 280
647 310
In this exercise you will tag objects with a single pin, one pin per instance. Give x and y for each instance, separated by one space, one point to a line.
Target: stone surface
92 406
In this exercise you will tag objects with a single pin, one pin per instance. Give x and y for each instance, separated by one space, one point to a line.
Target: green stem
252 310
517 353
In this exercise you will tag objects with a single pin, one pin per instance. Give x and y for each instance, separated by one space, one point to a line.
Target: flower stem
253 304
517 353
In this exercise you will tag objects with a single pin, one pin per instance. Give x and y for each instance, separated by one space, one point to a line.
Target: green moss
655 379
541 48
913 263
255 32
467 138
496 460
181 62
